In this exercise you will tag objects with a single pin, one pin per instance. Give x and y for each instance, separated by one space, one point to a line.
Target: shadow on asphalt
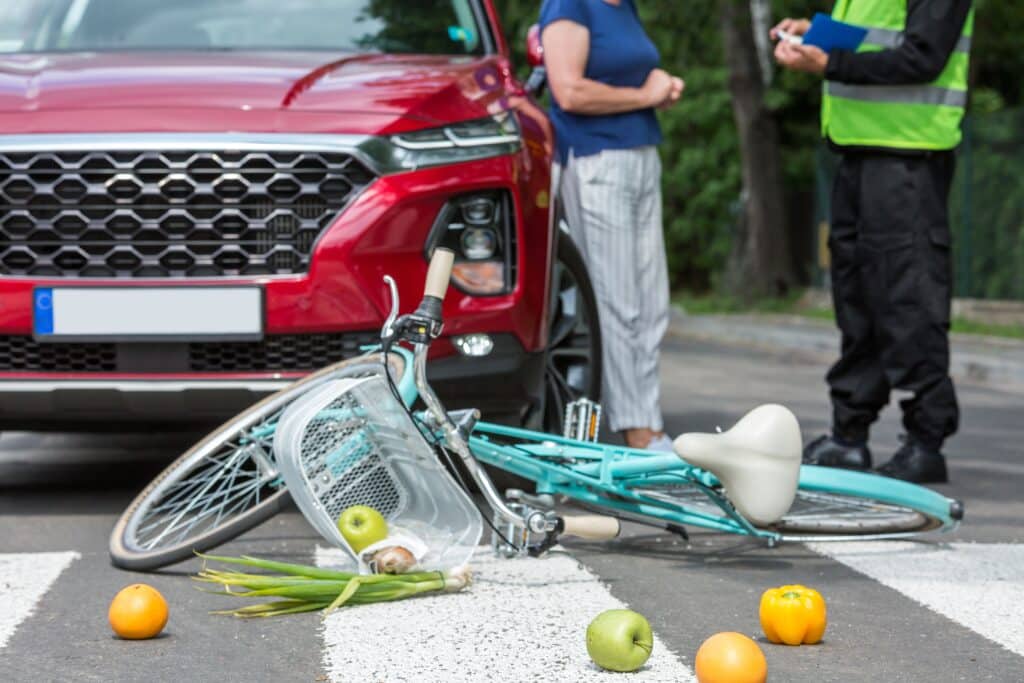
81 473
702 550
75 461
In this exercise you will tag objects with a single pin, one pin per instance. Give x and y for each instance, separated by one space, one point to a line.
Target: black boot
829 452
914 462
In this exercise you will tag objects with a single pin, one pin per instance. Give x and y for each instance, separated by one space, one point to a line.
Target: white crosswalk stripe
978 585
522 620
24 580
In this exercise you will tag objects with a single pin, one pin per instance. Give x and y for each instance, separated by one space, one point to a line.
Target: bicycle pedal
582 420
507 540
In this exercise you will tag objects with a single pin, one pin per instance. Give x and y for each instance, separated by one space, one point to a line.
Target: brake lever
387 333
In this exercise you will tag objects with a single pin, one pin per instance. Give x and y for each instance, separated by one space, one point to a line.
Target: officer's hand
794 27
806 58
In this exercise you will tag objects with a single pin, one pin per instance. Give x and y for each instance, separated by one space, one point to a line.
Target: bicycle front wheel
224 485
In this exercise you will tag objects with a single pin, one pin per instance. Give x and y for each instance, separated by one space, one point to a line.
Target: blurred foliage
702 182
796 305
987 207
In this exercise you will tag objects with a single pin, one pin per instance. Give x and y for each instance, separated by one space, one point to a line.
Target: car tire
570 343
572 367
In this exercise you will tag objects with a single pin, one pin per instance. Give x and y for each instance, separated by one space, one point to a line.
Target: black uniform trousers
892 288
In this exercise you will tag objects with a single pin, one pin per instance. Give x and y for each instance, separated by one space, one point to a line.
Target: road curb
992 361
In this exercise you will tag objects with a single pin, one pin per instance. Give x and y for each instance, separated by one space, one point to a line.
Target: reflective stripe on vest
899 94
888 38
919 116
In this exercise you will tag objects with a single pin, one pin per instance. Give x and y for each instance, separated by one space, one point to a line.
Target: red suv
199 200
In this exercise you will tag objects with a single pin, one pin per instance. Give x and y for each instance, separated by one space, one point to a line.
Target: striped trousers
612 202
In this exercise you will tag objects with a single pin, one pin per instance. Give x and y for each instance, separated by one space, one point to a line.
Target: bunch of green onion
303 588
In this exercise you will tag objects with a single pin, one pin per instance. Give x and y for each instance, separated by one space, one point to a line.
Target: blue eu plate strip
42 307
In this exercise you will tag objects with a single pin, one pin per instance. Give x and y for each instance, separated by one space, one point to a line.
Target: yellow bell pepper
793 615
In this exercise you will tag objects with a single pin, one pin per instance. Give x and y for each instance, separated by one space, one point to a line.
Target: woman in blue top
604 75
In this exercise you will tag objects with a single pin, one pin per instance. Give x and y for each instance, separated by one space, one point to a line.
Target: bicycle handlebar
591 527
439 273
429 311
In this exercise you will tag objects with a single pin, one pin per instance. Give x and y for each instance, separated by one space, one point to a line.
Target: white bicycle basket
350 442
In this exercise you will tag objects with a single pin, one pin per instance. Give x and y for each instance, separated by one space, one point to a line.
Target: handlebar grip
591 527
439 273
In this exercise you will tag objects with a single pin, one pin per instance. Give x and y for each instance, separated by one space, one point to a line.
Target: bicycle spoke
193 501
811 512
819 512
192 522
244 490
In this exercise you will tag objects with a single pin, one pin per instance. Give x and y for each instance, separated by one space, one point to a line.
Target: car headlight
479 228
493 136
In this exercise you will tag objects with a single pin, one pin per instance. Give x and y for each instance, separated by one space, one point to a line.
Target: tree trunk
762 262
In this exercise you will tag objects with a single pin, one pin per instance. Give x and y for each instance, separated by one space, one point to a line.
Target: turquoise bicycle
347 435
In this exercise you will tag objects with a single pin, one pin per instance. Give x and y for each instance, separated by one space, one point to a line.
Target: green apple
619 640
362 526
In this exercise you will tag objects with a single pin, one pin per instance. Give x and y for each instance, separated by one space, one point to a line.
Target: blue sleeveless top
622 55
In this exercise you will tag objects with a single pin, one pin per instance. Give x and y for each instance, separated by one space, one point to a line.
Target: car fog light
475 345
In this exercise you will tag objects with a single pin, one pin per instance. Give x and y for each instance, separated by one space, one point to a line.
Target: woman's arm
566 46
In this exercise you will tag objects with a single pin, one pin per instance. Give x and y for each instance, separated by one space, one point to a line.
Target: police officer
892 110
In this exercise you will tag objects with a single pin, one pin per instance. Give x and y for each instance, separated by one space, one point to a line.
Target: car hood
368 93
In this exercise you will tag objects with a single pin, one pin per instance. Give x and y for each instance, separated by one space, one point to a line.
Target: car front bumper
506 386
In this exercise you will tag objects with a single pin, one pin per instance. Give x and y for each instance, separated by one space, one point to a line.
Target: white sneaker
661 443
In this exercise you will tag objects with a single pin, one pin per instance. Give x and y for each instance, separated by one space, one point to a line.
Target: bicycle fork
456 437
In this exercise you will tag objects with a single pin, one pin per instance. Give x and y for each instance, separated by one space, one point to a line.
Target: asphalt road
948 608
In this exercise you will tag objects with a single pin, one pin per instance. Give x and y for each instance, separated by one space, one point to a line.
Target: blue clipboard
829 34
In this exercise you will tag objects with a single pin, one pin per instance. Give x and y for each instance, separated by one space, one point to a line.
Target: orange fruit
137 612
730 658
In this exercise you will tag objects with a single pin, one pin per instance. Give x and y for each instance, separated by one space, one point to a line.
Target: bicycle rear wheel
224 485
833 504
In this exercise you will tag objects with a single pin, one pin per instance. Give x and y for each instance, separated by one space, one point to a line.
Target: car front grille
157 214
282 352
275 353
27 355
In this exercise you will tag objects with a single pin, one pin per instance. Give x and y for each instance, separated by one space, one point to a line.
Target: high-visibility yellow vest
925 116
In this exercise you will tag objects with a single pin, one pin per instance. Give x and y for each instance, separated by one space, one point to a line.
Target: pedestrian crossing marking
522 620
24 579
978 585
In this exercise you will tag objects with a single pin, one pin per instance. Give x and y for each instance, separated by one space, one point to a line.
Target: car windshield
400 26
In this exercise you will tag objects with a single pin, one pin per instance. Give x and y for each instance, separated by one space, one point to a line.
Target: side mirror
534 49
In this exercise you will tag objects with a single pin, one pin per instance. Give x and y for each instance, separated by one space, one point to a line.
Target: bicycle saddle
757 461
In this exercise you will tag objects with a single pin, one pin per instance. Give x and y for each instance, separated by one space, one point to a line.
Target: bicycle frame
602 475
609 476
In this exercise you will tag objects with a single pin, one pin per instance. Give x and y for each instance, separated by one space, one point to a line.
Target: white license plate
140 314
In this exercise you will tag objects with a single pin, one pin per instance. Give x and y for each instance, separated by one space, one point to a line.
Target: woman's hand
678 86
794 27
658 87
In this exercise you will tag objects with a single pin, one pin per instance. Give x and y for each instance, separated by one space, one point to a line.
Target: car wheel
573 356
